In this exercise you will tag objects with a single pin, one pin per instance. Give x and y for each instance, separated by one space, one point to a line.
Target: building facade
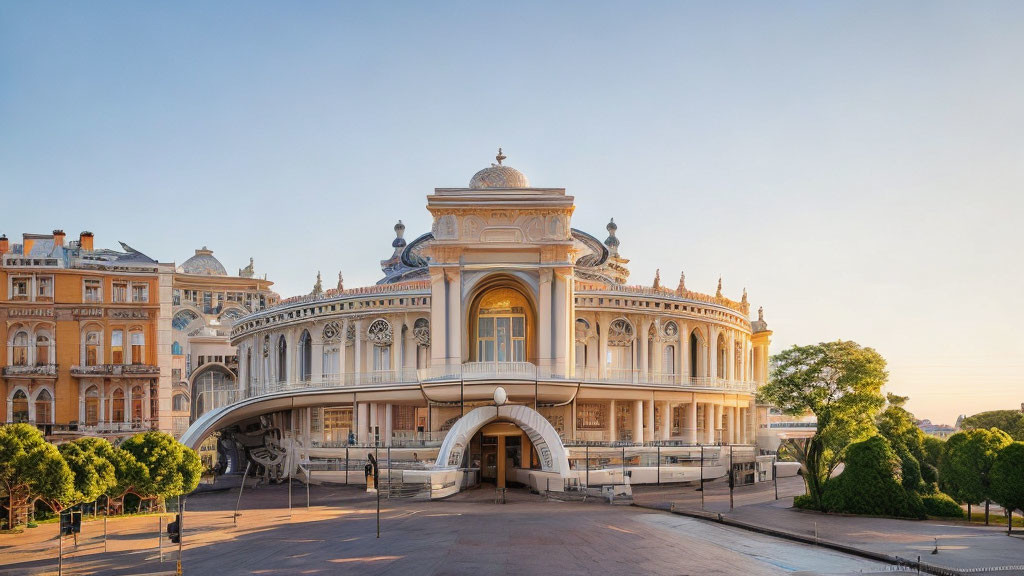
500 346
206 303
87 334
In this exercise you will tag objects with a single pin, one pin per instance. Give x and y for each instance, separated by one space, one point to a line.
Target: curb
878 556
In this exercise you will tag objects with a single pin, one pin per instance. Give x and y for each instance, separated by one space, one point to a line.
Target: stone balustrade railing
39 371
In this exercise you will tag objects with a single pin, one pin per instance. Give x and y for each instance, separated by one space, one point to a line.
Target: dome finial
500 156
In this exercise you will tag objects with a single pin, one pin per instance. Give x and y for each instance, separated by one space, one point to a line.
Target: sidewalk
973 548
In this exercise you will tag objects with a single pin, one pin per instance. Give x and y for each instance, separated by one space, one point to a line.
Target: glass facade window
337 425
501 338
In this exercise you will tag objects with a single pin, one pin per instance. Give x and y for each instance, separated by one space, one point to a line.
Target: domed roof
203 263
498 176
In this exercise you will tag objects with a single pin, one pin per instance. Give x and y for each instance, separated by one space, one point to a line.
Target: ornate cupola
615 268
399 245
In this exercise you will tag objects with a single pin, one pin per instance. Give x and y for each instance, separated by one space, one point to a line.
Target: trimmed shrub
871 483
941 506
804 501
929 473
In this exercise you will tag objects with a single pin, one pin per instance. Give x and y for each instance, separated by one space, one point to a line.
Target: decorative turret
341 282
657 279
718 293
612 242
744 299
248 271
681 289
399 245
318 288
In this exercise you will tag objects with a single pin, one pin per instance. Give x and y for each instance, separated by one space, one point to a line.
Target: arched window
176 349
92 406
138 342
44 407
620 348
501 326
305 356
282 359
669 359
19 406
19 349
212 388
421 332
380 335
694 355
93 353
179 403
137 402
117 406
723 357
582 328
183 318
42 349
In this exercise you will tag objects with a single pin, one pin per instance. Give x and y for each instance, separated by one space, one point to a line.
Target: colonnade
712 423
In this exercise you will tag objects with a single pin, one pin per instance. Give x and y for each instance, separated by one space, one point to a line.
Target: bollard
160 537
936 550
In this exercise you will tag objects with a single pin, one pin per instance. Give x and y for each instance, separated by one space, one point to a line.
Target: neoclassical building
501 293
206 303
87 337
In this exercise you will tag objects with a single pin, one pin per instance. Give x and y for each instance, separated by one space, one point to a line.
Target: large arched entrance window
695 355
723 357
213 387
19 406
500 328
305 356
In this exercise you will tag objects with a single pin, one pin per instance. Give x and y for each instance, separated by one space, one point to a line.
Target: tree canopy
871 483
173 468
31 467
1007 477
1009 421
93 471
840 382
967 462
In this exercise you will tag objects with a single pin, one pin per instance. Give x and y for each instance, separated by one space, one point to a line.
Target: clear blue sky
857 166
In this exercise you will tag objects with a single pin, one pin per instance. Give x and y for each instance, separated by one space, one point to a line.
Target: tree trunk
969 516
1009 521
986 512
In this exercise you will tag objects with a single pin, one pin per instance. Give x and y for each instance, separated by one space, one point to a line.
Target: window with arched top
117 406
138 398
669 359
282 359
179 403
620 348
44 407
502 316
43 347
92 406
582 334
19 406
176 349
381 335
19 349
723 357
305 356
694 355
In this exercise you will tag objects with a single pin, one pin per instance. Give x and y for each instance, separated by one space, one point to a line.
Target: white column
363 427
719 413
650 419
454 316
374 424
343 351
643 327
709 423
560 312
613 434
387 424
438 318
358 366
691 421
638 421
730 372
544 332
666 420
712 353
602 346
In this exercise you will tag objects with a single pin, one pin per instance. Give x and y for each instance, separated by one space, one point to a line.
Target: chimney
85 241
58 238
5 244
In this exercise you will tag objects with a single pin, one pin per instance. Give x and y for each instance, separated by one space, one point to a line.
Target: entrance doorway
502 448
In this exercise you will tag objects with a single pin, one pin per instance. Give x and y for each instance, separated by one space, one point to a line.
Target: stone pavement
961 546
467 534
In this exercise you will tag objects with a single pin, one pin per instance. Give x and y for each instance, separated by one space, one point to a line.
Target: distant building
87 337
206 302
938 430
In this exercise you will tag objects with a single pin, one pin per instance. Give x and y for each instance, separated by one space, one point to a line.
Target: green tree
871 483
841 383
94 473
897 425
30 468
967 465
1007 480
1009 421
174 469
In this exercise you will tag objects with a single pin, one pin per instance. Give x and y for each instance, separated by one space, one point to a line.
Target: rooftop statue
318 288
657 279
681 289
341 281
718 293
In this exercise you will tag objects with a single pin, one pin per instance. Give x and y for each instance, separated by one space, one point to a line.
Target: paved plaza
468 534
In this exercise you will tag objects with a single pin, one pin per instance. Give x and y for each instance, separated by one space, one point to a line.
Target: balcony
119 370
40 371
